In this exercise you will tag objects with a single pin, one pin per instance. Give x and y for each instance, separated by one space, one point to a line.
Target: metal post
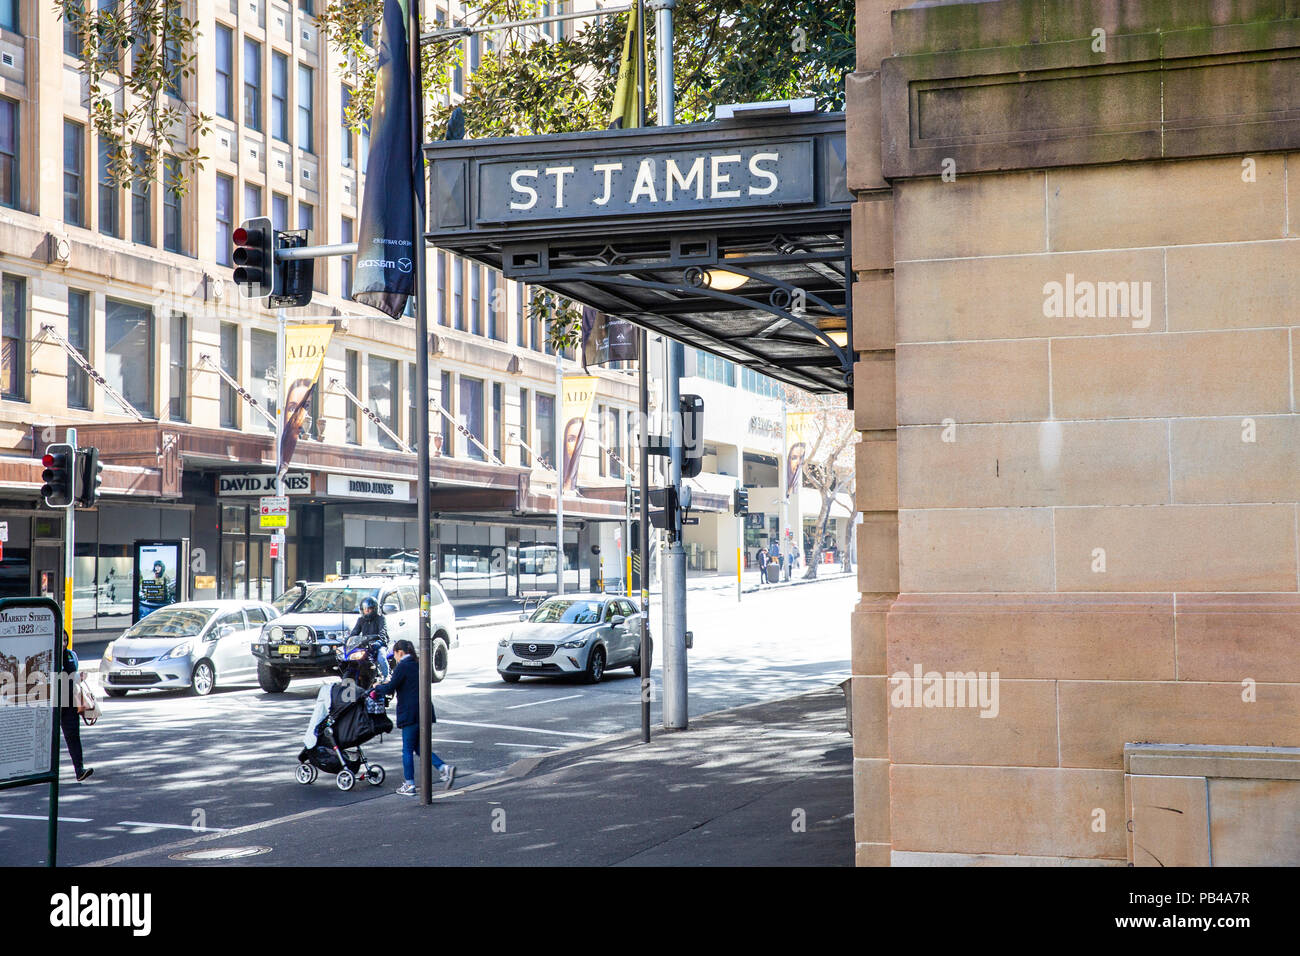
69 538
783 493
627 529
740 538
643 435
282 390
61 687
424 768
559 475
664 59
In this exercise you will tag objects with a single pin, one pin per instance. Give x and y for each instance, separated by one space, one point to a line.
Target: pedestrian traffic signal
692 435
254 257
89 476
58 477
293 278
740 501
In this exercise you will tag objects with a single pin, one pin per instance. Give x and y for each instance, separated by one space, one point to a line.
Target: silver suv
306 640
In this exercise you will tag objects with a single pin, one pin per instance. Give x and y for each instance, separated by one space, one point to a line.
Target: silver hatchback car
573 635
193 644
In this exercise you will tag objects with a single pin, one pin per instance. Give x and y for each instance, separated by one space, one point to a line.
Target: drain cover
219 853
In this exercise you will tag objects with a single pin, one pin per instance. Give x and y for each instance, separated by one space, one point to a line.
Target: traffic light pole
740 536
69 537
643 545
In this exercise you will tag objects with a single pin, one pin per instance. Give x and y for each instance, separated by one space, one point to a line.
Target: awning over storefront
729 236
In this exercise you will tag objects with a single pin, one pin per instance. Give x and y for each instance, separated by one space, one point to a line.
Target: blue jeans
410 747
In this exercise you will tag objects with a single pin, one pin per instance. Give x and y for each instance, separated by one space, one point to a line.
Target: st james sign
600 184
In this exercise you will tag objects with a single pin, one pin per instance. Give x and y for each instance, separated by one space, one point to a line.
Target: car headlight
276 634
577 642
302 634
180 650
504 642
108 651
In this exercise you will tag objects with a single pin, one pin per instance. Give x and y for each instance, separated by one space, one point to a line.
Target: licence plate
532 663
288 650
130 672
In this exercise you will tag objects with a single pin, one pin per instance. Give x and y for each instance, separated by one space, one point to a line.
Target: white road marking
551 700
171 826
42 817
529 746
527 730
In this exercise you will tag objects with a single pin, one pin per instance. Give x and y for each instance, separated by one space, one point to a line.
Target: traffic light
89 476
254 257
692 435
293 278
740 501
58 476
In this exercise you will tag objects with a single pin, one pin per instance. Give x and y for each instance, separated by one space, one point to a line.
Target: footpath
767 784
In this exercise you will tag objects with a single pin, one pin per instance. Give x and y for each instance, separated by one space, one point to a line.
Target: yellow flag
626 112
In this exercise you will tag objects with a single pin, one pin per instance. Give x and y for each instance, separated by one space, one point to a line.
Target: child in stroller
344 718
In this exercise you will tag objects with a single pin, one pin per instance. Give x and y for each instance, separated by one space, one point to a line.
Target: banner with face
799 437
579 393
304 356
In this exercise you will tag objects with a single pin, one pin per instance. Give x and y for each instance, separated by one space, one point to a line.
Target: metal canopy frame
660 268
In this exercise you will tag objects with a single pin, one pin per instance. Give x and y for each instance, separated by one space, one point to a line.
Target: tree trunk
822 518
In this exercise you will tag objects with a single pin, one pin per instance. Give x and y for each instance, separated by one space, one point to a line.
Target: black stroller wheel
344 779
306 773
375 775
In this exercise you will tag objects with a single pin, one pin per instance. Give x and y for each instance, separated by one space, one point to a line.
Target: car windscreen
172 622
567 612
335 600
285 600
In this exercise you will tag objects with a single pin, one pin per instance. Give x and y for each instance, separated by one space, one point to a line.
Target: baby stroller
333 743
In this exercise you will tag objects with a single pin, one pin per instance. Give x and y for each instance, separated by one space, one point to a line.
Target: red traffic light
241 236
47 460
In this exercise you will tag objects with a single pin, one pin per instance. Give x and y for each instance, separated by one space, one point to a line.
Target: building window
602 425
444 402
74 173
546 429
13 339
128 353
346 237
494 322
353 377
72 44
381 400
457 73
108 212
225 72
172 66
172 222
521 327
525 437
79 339
9 15
252 85
349 142
458 294
715 369
279 212
412 421
263 374
252 200
8 152
225 214
364 146
305 108
440 295
498 420
280 96
307 7
305 217
229 365
141 199
475 304
179 367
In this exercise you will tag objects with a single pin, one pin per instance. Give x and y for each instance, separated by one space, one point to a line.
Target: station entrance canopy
731 236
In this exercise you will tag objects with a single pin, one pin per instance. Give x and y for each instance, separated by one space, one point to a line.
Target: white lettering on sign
521 187
719 179
694 174
558 173
382 489
767 174
295 483
645 182
607 169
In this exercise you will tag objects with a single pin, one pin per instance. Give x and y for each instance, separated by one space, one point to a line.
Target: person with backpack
405 682
761 561
69 678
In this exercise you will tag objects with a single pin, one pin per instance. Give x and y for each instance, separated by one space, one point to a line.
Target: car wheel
510 678
439 658
203 679
595 665
114 693
273 680
636 664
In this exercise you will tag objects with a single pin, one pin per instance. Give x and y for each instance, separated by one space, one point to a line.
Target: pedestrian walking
75 700
405 682
761 561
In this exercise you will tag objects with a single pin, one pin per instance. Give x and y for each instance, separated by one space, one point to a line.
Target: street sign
30 654
4 532
690 521
274 511
275 549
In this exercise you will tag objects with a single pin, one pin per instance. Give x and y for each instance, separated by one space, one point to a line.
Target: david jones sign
779 173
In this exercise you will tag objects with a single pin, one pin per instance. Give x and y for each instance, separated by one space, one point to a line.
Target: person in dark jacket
69 719
405 683
373 625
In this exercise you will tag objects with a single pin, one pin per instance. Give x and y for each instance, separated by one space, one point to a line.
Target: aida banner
304 356
800 432
579 393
